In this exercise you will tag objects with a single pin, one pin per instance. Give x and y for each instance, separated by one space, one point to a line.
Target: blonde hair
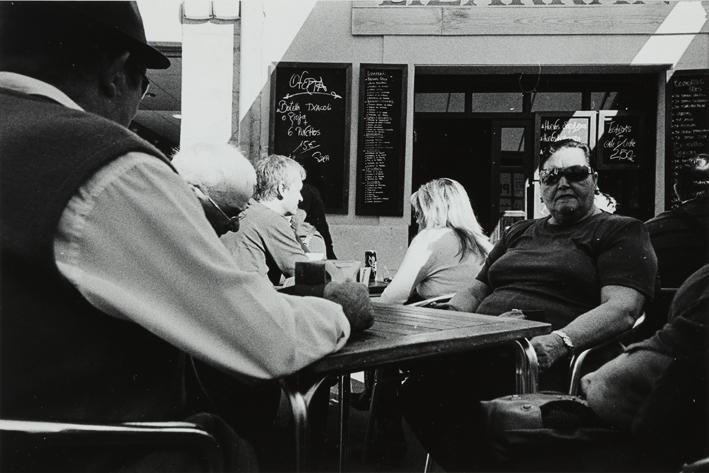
273 171
443 203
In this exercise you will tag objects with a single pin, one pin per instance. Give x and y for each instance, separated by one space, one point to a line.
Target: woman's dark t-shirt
560 269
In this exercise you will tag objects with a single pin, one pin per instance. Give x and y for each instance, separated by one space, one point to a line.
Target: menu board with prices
687 124
310 123
619 140
555 126
380 141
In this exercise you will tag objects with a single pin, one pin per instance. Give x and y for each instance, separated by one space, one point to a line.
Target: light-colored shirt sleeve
411 271
284 247
135 242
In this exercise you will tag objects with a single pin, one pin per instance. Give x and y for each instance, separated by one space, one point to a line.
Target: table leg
526 367
299 398
343 397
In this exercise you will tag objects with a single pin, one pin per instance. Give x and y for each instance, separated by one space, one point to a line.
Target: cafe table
402 334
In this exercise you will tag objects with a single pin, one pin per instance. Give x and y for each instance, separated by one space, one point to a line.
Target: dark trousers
440 400
248 408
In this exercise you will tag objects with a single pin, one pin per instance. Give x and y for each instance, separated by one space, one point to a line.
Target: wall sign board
619 141
381 140
310 123
554 126
687 124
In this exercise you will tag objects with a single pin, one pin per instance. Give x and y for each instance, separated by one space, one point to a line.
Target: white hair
219 170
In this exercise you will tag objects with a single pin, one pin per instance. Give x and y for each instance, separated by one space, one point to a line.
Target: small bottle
370 261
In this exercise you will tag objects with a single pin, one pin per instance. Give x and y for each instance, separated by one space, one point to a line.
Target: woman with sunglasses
589 271
585 271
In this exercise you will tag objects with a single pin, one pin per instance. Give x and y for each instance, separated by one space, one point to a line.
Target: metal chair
699 466
591 358
432 301
29 439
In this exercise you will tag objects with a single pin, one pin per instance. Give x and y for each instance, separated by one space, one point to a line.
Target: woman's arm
410 271
620 307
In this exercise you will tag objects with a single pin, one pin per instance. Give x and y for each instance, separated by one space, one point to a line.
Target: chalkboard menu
310 123
619 141
688 124
380 142
555 126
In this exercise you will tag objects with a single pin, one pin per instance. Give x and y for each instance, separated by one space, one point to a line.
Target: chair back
29 445
592 358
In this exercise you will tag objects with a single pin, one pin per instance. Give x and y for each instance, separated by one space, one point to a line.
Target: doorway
480 130
511 169
457 148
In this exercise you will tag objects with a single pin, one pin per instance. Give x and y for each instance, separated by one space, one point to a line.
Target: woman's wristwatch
565 338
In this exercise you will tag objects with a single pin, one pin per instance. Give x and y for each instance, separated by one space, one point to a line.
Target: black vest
60 358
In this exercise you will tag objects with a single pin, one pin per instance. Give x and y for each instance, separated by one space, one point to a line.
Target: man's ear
281 190
113 76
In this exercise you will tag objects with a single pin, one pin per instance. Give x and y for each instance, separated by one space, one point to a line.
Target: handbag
541 431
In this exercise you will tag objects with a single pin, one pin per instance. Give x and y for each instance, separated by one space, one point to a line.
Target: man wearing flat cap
110 270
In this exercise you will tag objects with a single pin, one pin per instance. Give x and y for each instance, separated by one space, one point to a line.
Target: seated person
590 273
314 208
658 388
448 250
205 167
605 202
309 237
680 235
111 274
646 409
266 241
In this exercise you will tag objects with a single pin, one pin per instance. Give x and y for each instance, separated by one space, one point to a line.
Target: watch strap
564 338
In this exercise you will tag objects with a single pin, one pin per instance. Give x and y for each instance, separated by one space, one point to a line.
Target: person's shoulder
431 236
616 221
263 219
662 217
519 227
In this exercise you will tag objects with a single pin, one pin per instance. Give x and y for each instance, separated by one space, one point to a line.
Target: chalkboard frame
603 117
396 204
341 206
671 200
590 116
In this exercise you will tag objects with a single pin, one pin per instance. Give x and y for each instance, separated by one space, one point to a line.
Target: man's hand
354 299
549 348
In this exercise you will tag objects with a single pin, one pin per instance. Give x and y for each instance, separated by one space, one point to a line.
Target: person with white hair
221 177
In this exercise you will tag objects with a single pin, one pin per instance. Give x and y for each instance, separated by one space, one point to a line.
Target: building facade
377 97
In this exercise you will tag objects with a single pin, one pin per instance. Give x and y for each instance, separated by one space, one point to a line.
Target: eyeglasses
144 86
231 224
576 173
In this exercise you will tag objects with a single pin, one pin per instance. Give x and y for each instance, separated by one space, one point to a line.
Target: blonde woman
449 249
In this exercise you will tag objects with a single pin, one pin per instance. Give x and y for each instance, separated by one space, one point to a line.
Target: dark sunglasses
230 223
572 174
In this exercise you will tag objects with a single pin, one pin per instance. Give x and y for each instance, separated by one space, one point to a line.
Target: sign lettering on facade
504 3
